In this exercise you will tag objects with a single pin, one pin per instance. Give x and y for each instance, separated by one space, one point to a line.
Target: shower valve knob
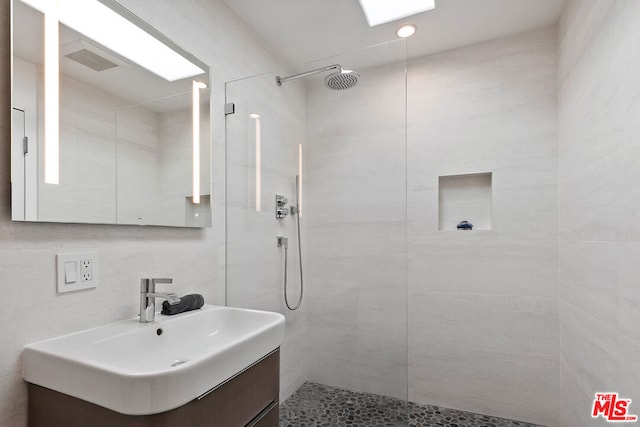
281 207
282 212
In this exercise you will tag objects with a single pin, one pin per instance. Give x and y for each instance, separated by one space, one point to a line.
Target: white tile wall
483 305
137 151
483 316
138 184
87 189
356 228
599 99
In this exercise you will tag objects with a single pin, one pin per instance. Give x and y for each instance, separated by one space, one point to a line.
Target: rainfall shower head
338 80
341 80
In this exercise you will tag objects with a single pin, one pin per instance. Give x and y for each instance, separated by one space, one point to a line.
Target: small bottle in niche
465 225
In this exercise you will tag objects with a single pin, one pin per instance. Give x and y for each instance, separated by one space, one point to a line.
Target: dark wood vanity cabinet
249 399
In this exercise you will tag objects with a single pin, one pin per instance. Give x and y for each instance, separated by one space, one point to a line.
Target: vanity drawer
243 398
248 399
270 418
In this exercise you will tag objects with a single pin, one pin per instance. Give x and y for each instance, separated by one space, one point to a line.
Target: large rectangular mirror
111 120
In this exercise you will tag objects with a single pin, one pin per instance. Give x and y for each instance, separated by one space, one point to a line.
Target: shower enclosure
397 301
340 125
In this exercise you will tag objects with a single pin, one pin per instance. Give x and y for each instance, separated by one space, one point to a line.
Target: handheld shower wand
284 242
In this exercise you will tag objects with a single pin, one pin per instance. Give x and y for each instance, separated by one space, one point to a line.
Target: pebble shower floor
315 405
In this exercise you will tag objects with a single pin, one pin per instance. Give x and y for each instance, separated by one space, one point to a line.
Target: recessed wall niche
464 198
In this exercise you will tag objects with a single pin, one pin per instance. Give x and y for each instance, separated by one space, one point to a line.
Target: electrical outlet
85 270
77 271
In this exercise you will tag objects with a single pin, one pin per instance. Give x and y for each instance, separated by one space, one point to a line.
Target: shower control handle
281 207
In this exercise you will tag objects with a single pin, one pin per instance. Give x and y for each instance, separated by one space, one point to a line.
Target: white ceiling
304 30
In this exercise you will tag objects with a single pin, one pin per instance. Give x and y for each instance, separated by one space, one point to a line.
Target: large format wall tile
599 104
463 262
483 305
356 228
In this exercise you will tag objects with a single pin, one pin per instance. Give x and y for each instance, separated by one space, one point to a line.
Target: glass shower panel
263 136
351 330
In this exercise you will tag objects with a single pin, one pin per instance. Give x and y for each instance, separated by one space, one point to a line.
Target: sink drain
178 362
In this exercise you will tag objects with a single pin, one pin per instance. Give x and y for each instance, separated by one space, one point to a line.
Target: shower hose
286 249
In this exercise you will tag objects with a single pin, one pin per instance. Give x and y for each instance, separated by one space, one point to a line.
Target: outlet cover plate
77 258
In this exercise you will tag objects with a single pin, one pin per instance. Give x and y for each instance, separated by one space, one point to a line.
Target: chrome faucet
148 297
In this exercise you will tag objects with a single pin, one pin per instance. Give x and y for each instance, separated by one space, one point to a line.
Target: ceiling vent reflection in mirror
90 55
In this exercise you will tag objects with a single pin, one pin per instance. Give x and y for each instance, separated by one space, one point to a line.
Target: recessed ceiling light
382 11
406 31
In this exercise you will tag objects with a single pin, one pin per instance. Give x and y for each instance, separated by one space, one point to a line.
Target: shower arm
280 80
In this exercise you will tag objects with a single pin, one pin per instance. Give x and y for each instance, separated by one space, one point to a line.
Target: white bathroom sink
147 368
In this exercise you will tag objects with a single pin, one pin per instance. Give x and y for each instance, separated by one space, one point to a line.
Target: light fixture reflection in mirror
51 98
256 117
196 86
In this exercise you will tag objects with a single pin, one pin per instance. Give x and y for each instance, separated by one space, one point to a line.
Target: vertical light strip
256 117
51 96
196 86
300 179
